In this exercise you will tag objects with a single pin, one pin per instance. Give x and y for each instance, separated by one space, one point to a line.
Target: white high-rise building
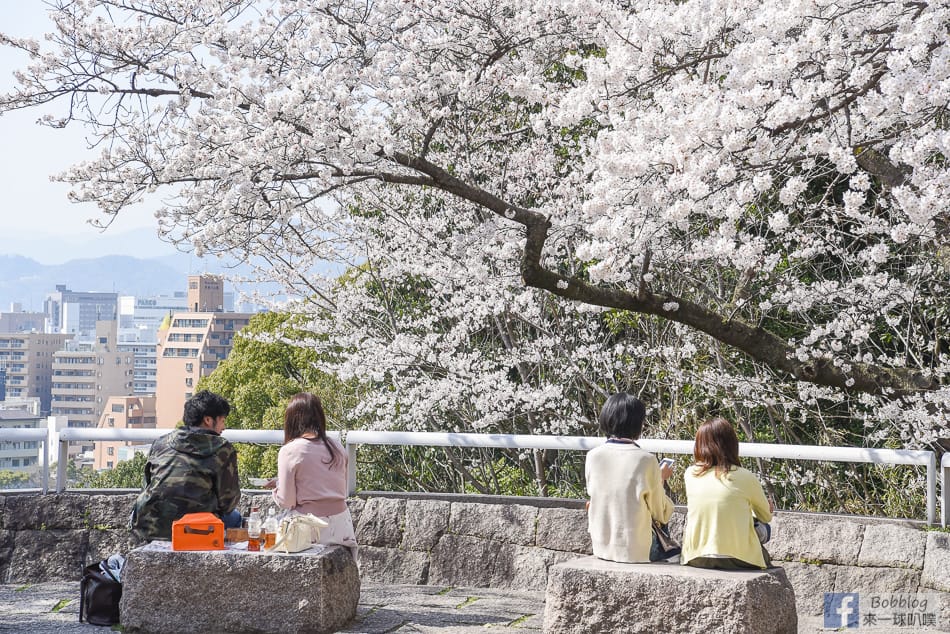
76 312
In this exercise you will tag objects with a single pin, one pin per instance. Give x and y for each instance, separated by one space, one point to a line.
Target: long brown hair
305 414
717 447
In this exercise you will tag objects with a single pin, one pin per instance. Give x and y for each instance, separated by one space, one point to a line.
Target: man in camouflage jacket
190 470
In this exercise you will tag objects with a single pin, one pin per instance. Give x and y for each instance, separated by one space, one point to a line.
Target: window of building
118 407
111 422
109 465
189 382
103 340
110 451
189 367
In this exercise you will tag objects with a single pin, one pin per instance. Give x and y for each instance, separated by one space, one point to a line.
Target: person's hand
666 471
271 484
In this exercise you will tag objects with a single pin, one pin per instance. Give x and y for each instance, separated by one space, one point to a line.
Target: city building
144 358
20 455
76 312
140 317
191 344
26 365
123 412
19 321
85 375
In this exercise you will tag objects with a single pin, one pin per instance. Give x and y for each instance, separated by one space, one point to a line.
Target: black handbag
99 595
663 545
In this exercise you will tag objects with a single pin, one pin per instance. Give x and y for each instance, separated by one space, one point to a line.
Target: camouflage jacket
190 470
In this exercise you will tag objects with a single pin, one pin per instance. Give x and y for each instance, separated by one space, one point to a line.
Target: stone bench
593 595
238 591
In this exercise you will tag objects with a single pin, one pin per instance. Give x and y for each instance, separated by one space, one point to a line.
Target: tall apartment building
123 412
19 455
145 371
86 375
26 365
192 343
76 312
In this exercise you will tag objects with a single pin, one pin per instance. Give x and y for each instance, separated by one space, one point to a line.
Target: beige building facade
191 344
26 365
123 412
85 377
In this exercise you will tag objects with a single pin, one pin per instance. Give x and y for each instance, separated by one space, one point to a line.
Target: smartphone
666 462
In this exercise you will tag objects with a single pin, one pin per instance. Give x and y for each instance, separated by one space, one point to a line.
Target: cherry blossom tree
768 177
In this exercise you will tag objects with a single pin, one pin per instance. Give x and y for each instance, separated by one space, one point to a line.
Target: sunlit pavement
54 607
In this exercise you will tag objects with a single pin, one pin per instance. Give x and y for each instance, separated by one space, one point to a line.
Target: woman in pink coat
311 471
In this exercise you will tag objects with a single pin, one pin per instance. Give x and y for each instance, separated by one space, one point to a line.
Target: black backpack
99 594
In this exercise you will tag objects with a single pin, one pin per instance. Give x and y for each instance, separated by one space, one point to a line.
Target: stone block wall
483 541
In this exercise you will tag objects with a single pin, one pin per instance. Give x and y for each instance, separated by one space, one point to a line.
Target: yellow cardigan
719 515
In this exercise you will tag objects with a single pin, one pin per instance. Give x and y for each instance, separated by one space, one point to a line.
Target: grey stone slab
511 523
810 582
312 591
472 561
876 580
593 595
563 529
355 506
392 565
426 522
936 573
893 546
812 538
55 511
50 555
103 543
102 512
381 522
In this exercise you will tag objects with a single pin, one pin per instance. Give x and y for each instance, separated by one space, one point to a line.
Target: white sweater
626 490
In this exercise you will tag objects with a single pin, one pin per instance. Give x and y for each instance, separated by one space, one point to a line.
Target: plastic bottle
270 529
254 530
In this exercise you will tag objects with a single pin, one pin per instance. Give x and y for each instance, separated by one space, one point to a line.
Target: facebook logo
841 609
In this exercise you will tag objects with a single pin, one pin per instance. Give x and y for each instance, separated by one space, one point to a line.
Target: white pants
340 531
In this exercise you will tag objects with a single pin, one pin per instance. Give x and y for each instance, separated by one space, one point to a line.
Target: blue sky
36 219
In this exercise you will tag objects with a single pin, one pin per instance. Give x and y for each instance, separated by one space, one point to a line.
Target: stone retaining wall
483 541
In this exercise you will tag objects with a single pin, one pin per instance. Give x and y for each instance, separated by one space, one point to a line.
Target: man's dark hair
202 404
622 416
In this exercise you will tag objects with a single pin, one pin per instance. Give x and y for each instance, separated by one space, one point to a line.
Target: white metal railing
353 439
944 489
40 435
583 443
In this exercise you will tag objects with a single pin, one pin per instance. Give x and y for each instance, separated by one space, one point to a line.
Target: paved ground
54 607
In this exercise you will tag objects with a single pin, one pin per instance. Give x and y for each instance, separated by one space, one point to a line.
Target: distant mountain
27 281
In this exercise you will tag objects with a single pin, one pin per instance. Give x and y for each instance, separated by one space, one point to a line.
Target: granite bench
593 595
238 591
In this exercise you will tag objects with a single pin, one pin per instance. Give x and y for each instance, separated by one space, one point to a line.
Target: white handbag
296 533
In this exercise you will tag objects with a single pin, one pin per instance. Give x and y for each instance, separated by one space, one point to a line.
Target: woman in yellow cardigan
722 500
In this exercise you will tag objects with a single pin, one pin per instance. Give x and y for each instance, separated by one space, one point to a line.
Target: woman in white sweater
625 485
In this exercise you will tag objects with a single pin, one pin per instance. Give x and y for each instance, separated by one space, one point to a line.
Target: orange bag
198 531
